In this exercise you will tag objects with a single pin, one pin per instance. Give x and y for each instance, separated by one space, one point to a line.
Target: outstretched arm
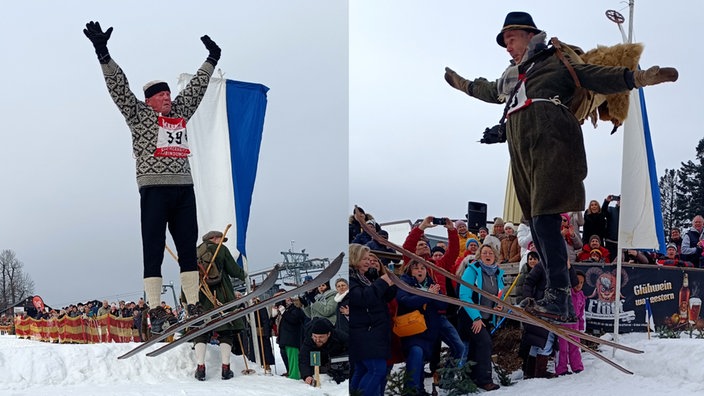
99 39
187 101
213 50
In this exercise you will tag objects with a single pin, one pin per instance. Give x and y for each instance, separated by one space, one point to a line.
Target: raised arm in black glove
214 55
99 39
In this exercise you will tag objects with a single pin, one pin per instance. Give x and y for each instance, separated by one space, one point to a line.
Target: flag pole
617 18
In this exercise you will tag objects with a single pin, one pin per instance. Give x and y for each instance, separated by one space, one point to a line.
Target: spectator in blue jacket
475 325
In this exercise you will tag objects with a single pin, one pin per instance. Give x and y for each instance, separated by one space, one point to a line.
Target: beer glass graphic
695 306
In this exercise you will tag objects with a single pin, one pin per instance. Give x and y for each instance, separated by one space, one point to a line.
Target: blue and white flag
225 135
640 221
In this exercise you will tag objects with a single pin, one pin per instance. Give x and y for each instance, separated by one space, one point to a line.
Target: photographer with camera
415 241
612 214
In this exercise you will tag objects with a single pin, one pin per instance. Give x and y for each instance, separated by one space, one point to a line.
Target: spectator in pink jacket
570 354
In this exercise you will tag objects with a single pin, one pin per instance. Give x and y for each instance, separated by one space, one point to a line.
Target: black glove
214 50
99 39
497 134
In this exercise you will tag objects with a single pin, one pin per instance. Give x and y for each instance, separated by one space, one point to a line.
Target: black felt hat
517 20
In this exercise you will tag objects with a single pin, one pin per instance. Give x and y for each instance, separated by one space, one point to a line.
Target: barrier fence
105 328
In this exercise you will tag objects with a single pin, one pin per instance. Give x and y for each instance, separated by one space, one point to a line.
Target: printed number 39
176 138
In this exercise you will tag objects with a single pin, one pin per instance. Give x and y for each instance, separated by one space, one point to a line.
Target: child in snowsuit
570 354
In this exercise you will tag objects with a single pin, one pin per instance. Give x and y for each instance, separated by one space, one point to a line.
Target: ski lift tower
296 264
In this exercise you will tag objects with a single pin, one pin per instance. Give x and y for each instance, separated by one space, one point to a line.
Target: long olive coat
548 160
224 292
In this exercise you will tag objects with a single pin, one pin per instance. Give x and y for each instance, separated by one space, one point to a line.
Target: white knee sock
152 287
225 352
200 353
189 284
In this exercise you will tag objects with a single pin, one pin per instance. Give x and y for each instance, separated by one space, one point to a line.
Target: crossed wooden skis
517 313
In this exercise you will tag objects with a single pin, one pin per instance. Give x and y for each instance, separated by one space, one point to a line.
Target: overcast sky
69 206
414 147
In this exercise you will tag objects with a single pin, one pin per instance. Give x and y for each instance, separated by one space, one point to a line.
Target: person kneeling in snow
320 336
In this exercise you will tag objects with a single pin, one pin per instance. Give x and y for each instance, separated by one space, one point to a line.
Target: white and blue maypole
640 219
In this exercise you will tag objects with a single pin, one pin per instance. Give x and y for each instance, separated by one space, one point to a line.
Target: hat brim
500 36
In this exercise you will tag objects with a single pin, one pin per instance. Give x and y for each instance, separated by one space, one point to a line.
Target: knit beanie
321 326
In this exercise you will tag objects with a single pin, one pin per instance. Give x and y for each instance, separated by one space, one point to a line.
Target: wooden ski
207 316
519 313
322 277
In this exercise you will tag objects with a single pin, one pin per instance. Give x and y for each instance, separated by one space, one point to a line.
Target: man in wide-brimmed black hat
548 161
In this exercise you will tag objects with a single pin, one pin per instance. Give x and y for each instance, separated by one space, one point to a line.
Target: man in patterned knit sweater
160 147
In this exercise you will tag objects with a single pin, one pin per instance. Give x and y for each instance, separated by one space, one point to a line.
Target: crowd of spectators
318 321
94 309
590 237
314 321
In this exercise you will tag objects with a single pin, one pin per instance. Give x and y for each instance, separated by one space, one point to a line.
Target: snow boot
194 310
200 372
490 386
541 367
226 372
529 367
554 306
157 319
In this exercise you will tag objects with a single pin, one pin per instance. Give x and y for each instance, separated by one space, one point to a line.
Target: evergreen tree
689 198
668 190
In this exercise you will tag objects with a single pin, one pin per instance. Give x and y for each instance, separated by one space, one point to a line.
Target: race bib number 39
172 140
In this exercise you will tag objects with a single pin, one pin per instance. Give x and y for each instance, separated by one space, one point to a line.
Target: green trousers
292 354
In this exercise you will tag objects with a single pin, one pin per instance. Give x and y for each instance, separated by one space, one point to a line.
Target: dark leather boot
226 372
194 310
555 305
541 367
529 367
200 372
157 320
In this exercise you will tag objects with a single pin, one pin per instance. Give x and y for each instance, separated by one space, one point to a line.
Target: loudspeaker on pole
476 216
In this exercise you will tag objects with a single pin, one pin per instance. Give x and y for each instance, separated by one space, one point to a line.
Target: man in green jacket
545 142
224 293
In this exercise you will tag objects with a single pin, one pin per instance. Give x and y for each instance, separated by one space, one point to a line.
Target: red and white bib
519 100
172 140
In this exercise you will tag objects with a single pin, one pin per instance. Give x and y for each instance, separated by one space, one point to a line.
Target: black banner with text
675 296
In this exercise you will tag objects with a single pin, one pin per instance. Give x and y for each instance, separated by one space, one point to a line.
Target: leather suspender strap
556 43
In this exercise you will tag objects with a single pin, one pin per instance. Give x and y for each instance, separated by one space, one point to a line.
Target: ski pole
508 293
261 340
246 370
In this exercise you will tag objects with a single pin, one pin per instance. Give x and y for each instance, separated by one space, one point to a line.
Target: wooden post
315 362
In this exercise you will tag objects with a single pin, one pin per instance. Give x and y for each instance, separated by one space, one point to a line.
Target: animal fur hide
614 107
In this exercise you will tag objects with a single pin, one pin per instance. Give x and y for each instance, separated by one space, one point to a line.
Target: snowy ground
38 368
668 366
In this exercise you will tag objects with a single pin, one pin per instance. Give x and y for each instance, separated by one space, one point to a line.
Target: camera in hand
616 198
372 274
439 220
